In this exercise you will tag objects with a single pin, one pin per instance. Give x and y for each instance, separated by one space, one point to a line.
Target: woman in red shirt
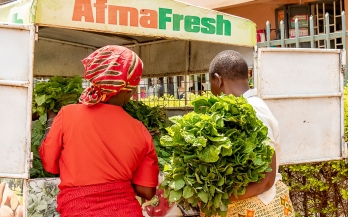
104 156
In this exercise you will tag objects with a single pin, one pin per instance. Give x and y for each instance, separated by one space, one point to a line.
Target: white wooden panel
14 54
16 77
310 129
304 90
299 72
13 137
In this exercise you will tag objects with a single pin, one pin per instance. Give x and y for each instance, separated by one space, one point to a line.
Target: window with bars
173 91
334 9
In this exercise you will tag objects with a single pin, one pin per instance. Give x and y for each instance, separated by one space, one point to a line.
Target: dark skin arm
254 189
144 192
50 116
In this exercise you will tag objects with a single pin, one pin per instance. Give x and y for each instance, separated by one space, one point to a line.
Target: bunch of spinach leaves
37 134
220 148
55 94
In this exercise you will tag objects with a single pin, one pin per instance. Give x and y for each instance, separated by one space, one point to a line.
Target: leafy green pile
55 94
42 198
155 119
219 149
37 134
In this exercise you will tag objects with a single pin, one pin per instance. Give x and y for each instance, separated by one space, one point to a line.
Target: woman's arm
145 178
145 192
254 189
52 143
50 117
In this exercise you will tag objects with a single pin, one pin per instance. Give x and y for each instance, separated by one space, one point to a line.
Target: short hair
229 64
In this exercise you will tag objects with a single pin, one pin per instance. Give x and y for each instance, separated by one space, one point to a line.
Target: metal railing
327 36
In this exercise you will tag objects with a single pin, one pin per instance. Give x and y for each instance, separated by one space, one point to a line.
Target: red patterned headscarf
110 69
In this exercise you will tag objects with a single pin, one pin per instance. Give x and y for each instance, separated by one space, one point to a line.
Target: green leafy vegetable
42 197
37 133
217 151
55 94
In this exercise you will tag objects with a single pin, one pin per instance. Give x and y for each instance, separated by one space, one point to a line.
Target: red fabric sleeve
147 173
51 146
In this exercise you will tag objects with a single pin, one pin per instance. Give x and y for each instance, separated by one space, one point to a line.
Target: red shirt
99 144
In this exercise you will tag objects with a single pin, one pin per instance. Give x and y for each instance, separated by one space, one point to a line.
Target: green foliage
169 101
55 94
42 199
319 188
219 149
37 133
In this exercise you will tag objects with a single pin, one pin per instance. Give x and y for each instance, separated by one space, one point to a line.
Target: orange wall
258 13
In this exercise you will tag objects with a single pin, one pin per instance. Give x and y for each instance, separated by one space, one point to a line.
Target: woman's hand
144 192
254 188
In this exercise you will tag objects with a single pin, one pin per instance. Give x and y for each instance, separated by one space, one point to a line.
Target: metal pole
187 80
175 81
282 37
297 34
165 85
146 87
139 94
327 25
156 87
196 83
268 29
344 29
311 24
207 80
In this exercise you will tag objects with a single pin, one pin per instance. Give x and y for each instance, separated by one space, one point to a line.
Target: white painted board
16 76
304 90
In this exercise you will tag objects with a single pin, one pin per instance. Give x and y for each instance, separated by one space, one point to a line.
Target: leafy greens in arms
218 150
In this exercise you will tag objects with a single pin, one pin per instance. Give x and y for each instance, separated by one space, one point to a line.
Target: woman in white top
270 197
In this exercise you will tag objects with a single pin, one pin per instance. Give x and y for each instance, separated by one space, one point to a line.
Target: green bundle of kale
54 94
218 150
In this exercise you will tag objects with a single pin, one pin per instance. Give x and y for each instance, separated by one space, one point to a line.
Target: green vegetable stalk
218 150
